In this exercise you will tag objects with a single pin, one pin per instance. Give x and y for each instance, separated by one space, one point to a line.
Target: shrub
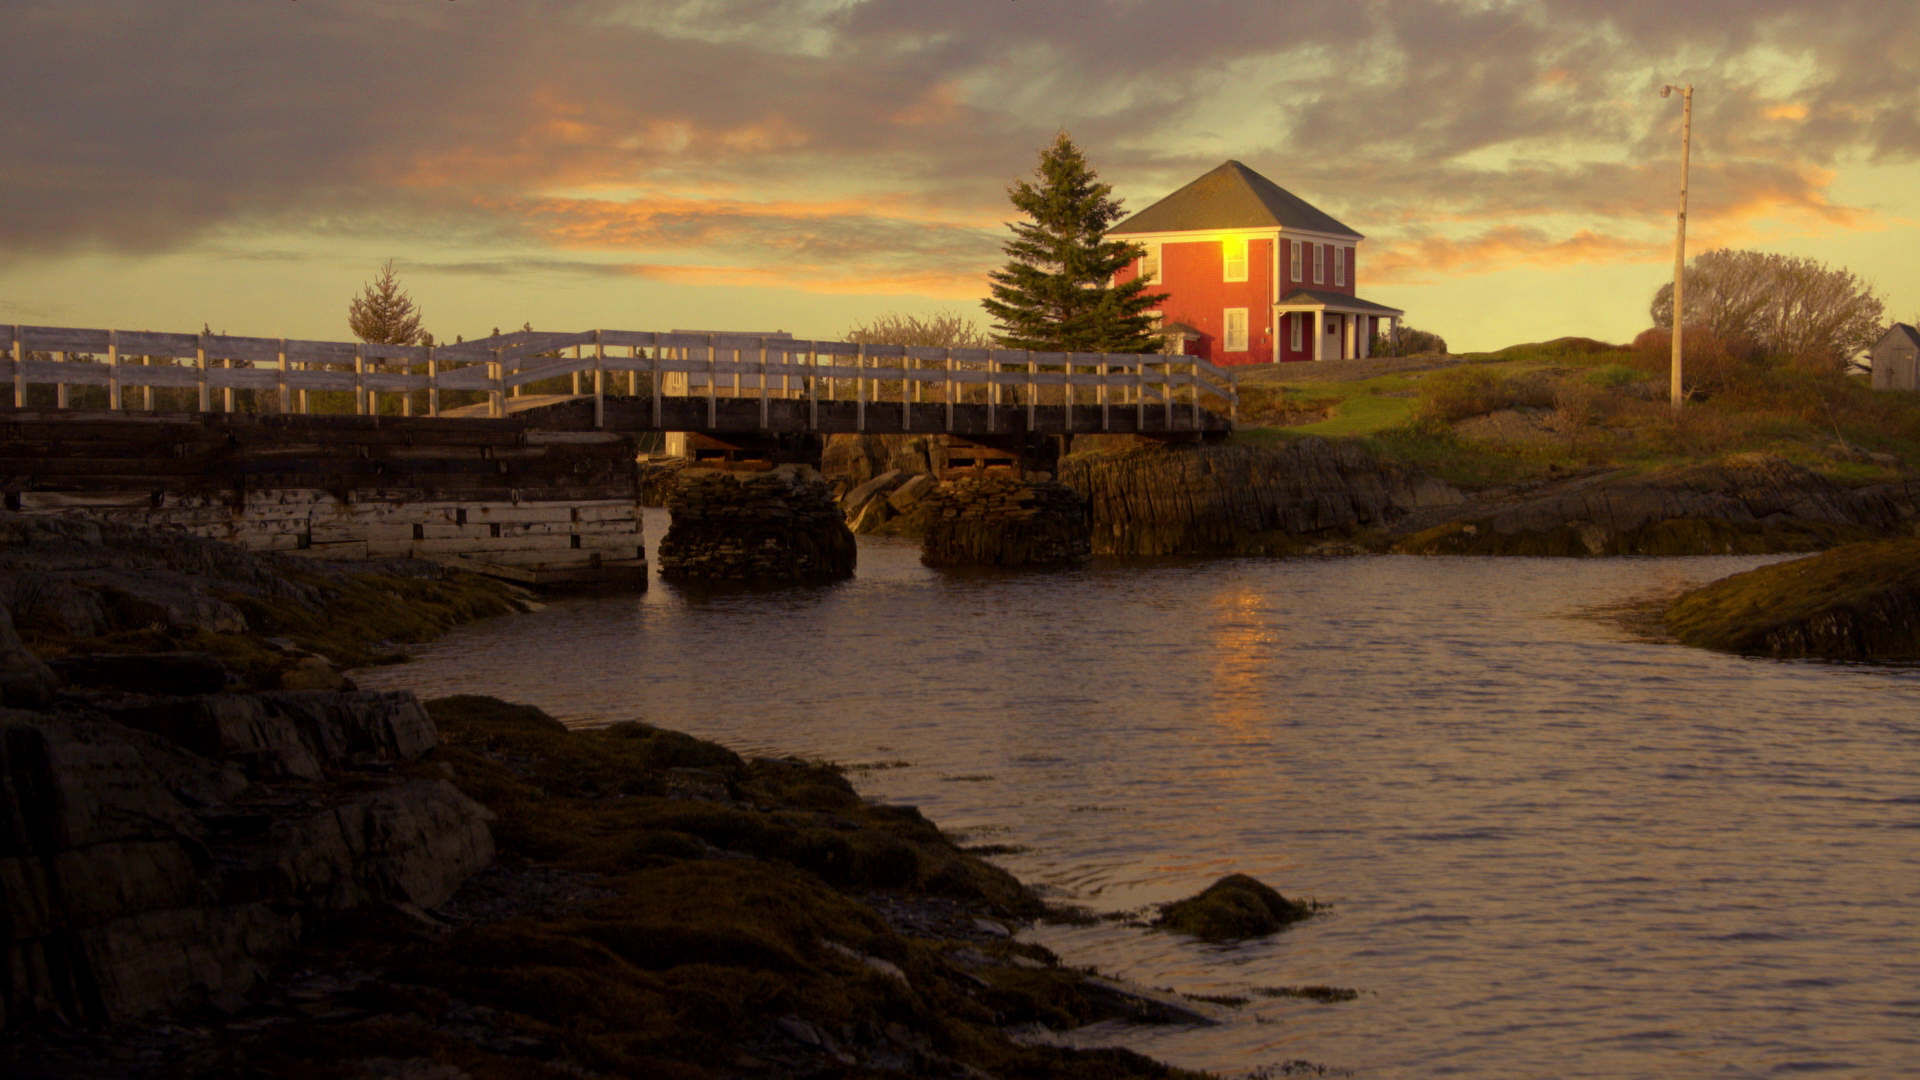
1710 362
1412 343
1612 375
1447 397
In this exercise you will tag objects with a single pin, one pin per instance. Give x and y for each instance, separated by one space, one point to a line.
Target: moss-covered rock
1858 602
1236 906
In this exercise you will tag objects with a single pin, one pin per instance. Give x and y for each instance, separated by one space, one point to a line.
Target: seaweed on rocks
1858 602
80 587
1236 906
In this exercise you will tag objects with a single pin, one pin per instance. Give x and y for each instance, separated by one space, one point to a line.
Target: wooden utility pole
1680 233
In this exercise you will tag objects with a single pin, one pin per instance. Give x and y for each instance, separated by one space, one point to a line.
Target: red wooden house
1253 273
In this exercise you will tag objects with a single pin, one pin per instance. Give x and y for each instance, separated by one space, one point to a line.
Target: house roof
1232 197
1896 332
1307 299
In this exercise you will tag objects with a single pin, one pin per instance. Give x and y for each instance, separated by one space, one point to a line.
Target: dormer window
1233 258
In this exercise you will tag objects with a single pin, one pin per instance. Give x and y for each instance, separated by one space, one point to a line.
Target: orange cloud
1422 261
959 284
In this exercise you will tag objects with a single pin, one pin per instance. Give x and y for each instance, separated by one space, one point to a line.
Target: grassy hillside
1485 419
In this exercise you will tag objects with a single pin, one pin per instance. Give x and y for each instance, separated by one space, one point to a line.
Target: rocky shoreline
1857 602
246 881
1312 496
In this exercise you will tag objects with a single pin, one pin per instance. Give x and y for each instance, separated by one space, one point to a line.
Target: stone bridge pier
770 525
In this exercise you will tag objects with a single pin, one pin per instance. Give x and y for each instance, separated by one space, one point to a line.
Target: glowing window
1233 258
1150 263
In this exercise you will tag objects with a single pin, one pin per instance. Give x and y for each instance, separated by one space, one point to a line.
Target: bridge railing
283 374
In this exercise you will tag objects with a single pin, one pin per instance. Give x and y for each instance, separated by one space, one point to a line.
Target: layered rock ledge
1243 500
1858 602
137 873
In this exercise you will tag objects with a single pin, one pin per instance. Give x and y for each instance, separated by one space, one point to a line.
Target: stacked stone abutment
1001 521
778 525
1243 500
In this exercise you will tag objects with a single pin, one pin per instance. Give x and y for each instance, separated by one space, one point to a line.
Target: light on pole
1680 230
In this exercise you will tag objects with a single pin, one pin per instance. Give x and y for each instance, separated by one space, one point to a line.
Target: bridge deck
681 382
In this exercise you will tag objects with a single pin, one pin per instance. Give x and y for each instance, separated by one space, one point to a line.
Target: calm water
1550 851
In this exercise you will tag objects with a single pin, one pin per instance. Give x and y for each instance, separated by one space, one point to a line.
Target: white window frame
1299 322
1294 249
1227 259
1315 253
1227 319
1340 265
1152 259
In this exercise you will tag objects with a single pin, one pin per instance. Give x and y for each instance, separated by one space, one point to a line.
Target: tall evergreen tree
384 314
1056 292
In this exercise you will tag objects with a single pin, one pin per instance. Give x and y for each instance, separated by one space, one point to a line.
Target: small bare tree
384 314
940 330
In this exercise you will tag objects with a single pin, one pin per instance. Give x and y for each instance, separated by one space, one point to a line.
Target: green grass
1611 403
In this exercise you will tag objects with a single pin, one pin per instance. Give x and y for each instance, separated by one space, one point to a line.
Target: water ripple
1549 851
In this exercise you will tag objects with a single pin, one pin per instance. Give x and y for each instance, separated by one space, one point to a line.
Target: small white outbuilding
1896 358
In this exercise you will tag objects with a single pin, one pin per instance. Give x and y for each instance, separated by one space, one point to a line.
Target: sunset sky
808 164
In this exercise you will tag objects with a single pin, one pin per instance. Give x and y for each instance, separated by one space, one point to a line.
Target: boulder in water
1236 906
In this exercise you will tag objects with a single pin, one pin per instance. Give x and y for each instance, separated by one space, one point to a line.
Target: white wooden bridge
628 380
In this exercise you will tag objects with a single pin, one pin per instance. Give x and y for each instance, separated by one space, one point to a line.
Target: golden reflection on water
1243 647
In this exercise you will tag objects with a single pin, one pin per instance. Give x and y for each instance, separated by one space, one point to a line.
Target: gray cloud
882 132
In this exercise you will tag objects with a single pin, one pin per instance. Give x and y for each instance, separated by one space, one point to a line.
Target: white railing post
433 383
200 373
763 384
860 389
60 392
19 369
813 389
1033 391
113 370
1139 396
1193 371
599 383
713 389
286 394
654 373
496 388
1106 377
359 380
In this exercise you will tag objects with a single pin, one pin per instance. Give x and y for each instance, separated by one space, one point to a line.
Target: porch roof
1321 300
